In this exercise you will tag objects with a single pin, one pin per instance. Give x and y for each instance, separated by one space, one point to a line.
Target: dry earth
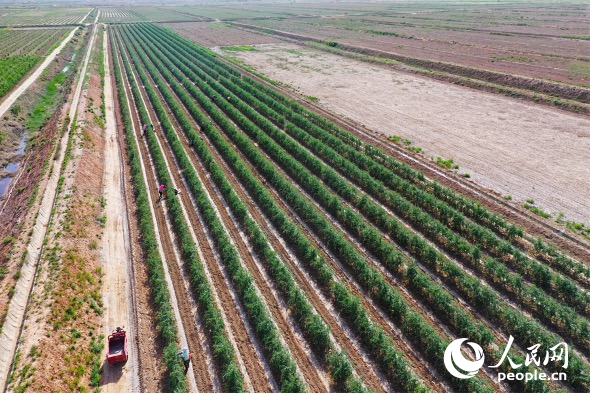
117 292
515 148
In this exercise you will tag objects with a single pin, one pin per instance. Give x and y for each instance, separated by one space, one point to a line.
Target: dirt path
16 310
512 147
12 97
116 261
86 16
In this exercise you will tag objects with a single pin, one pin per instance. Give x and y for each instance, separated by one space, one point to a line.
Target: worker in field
144 128
176 191
161 192
185 355
193 141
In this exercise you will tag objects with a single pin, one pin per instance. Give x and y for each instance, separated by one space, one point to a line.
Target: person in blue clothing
185 355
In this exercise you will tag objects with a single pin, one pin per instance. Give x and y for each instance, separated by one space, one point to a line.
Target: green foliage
448 163
13 68
460 226
15 110
42 111
239 48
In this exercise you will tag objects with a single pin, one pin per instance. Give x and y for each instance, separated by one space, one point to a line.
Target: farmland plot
39 16
321 263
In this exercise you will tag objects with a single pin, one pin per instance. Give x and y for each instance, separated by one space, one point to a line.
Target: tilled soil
214 34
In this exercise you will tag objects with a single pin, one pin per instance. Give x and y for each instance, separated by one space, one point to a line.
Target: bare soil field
546 57
515 148
215 34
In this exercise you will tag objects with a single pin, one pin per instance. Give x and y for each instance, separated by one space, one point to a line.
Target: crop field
509 41
40 16
21 50
146 14
36 42
343 255
191 190
212 34
110 15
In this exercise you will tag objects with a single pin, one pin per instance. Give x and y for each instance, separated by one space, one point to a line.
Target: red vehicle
117 351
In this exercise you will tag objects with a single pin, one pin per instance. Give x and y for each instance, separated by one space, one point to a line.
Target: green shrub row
562 317
159 290
551 255
371 335
562 288
411 322
223 352
469 207
279 358
434 256
311 324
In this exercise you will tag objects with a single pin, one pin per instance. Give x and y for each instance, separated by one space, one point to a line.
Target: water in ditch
12 168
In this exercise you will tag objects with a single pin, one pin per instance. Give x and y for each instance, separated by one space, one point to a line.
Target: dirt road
16 310
512 147
116 262
12 97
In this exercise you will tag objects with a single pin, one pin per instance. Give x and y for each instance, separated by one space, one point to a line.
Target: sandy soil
117 292
512 147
